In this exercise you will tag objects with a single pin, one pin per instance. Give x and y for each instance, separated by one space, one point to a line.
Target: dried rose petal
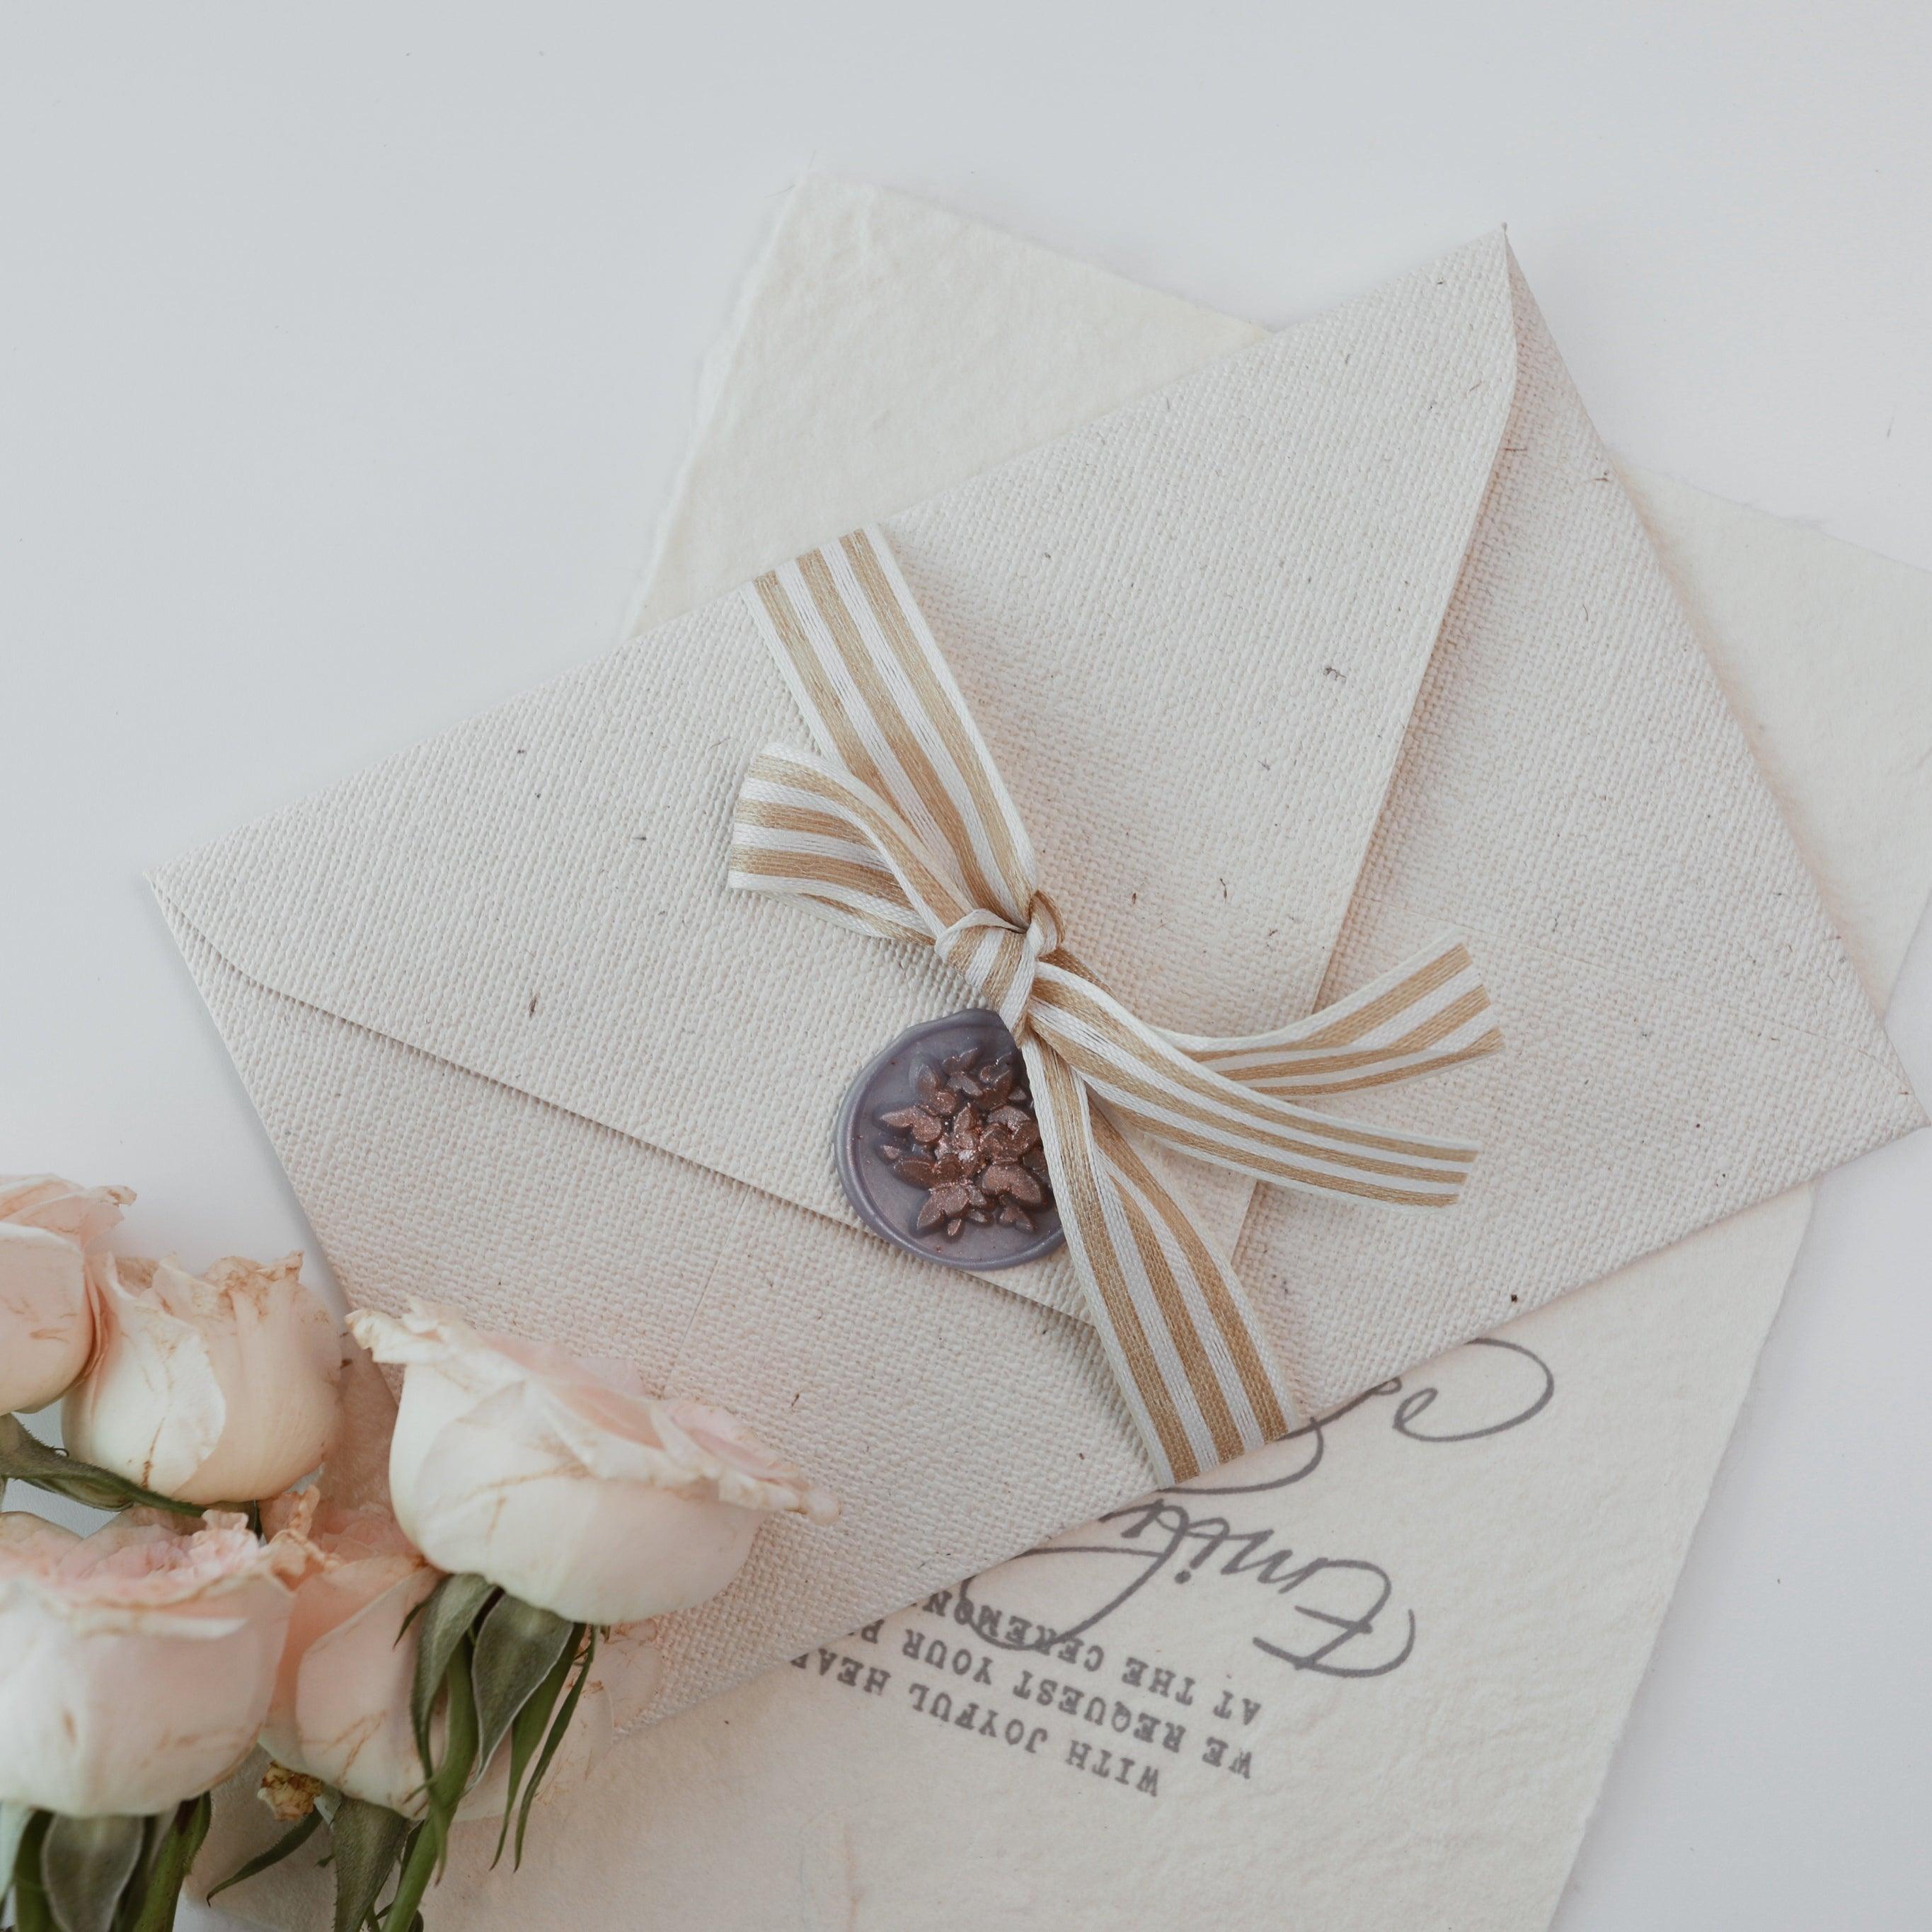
935 1094
1016 1181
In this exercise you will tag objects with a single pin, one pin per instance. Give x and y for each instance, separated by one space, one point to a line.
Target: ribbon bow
903 828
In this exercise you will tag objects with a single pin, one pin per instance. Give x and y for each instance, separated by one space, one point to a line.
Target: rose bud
136 1664
47 1228
568 1484
214 1388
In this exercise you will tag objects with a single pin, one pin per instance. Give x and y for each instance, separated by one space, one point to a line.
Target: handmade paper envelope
1351 637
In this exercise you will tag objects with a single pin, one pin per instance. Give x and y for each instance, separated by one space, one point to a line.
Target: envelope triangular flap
1687 1036
1192 633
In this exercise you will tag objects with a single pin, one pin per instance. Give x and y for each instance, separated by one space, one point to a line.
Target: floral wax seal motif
940 1151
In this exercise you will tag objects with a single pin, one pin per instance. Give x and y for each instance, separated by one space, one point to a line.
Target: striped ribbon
901 827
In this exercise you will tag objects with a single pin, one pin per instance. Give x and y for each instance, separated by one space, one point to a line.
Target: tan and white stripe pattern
901 826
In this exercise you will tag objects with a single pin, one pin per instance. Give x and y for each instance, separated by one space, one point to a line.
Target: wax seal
939 1148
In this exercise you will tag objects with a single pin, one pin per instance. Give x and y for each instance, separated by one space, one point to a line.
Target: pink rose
47 1228
567 1483
218 1388
136 1663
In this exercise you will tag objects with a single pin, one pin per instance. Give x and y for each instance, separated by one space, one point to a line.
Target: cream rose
136 1663
340 1711
47 1228
565 1483
212 1388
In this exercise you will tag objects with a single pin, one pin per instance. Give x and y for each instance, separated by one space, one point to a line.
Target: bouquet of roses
423 1612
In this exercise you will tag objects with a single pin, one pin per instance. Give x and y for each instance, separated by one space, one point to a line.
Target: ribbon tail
1193 1365
1431 1012
1148 1082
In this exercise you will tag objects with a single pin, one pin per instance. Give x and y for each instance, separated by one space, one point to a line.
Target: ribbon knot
901 827
999 960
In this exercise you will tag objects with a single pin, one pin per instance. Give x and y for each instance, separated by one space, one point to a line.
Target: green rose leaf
292 1840
368 1841
517 1646
446 1616
527 1733
557 1729
31 1913
25 1459
14 1820
85 1863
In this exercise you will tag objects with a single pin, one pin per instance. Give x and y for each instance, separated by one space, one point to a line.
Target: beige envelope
1351 636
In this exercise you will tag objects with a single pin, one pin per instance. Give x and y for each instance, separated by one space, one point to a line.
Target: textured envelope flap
1686 1035
1192 633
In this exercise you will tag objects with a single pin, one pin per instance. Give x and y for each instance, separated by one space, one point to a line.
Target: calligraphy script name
1340 1621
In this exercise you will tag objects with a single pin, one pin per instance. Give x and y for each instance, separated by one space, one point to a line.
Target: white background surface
349 354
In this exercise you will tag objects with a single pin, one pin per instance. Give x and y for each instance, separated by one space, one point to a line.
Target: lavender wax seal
940 1151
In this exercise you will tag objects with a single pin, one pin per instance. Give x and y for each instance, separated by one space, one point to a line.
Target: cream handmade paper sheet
1466 1570
1351 636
